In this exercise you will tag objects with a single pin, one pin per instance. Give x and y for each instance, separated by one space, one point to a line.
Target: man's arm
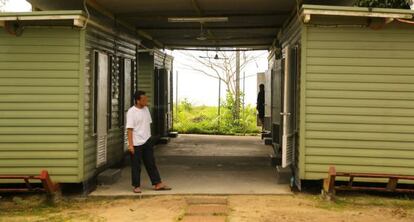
130 142
130 127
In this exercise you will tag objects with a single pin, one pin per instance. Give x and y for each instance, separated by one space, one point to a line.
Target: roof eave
308 10
77 16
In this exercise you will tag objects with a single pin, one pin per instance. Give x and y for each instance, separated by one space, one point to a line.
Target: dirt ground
289 208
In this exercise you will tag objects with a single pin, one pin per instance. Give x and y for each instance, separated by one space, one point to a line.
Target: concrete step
276 161
266 134
283 175
164 140
268 141
109 176
173 134
208 209
206 200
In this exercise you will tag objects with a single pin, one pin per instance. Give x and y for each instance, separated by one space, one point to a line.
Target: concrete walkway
205 164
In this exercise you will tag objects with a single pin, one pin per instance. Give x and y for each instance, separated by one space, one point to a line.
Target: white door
287 133
102 108
127 95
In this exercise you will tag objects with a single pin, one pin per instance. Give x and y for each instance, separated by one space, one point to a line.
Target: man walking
138 125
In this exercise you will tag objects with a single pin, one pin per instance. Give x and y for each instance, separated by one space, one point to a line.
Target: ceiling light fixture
202 36
198 19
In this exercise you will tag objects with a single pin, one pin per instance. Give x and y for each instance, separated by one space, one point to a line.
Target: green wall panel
39 115
359 100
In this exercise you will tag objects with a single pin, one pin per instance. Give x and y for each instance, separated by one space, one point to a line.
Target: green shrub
205 119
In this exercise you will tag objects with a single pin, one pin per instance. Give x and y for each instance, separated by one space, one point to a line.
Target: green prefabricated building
343 91
66 82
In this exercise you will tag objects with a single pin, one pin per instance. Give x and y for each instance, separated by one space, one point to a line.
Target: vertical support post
244 96
176 94
237 116
218 108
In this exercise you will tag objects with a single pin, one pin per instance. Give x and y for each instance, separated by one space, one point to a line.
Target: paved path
206 165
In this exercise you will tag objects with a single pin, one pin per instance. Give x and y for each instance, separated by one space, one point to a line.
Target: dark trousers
146 153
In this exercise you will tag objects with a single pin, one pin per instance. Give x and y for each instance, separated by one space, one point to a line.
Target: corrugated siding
146 75
39 102
359 100
147 63
163 60
97 40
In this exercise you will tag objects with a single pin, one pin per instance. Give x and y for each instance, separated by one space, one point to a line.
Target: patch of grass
358 201
35 205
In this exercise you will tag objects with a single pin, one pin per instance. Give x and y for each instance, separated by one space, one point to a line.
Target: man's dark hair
261 86
138 94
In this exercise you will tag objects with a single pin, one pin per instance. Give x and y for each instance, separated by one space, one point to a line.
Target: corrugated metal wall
146 75
97 40
39 102
148 61
359 100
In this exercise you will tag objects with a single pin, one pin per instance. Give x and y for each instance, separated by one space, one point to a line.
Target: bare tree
225 66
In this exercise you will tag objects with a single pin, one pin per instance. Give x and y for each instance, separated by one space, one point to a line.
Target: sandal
163 188
137 190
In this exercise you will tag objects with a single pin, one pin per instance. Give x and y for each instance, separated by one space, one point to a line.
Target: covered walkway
205 164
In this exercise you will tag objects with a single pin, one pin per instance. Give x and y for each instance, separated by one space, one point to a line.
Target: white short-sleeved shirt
140 121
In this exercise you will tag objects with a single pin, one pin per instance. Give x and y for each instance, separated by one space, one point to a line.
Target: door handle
285 114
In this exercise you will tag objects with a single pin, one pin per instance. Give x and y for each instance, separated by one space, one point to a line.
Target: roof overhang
214 24
247 24
71 17
307 11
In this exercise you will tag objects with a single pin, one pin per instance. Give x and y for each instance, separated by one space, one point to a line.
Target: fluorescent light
198 19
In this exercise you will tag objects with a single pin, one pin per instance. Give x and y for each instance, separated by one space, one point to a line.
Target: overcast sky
196 87
17 6
201 89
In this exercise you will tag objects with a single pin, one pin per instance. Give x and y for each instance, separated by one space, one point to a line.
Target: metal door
128 101
287 132
102 108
